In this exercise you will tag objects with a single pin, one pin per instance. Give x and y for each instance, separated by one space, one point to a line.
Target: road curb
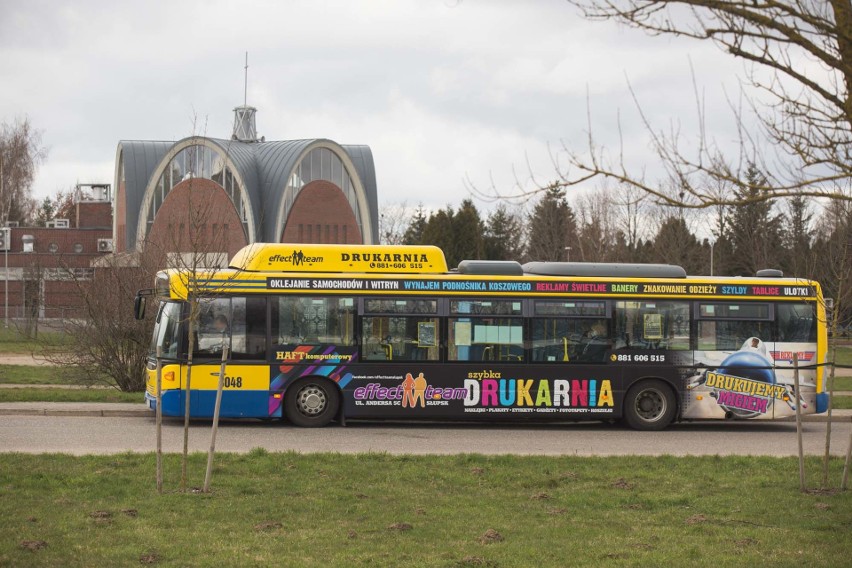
143 412
103 413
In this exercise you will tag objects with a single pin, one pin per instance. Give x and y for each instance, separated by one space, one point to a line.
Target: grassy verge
33 375
379 510
842 402
68 395
843 383
844 357
13 343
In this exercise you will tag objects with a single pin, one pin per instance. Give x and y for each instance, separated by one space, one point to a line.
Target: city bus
322 333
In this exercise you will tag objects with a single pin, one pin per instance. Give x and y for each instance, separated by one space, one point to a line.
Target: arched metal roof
264 168
362 157
242 156
140 157
275 163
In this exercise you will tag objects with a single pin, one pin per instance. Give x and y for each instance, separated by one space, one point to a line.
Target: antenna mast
245 89
244 126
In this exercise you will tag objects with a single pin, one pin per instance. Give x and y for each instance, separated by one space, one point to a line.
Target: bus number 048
233 382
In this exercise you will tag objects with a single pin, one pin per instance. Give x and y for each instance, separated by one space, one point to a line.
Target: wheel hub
311 400
650 405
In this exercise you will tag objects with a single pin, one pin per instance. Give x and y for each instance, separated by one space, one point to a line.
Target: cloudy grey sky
440 90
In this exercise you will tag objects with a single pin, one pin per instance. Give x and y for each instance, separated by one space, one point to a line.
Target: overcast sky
440 90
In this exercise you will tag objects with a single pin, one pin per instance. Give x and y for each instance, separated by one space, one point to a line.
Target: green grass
14 343
68 395
33 375
380 510
843 383
842 402
844 357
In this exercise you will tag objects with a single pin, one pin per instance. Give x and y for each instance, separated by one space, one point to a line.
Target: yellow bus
318 333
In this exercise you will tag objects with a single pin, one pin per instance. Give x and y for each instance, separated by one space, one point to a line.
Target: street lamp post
6 233
711 257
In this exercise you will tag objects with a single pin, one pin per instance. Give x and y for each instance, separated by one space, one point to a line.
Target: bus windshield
166 330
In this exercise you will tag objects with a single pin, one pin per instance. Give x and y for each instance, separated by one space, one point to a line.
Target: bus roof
419 270
367 259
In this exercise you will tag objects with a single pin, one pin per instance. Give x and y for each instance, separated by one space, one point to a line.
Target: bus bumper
171 403
821 402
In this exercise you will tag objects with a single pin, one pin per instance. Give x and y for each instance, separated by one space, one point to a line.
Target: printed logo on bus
297 258
413 392
804 356
489 391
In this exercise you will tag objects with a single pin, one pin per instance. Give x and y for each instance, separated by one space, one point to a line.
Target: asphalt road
103 435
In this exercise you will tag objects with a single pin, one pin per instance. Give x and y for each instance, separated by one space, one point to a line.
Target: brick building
250 190
41 263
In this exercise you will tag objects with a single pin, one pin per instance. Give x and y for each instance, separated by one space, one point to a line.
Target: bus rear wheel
311 403
649 405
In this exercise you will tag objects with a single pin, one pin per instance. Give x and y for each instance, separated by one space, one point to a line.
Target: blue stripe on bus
235 404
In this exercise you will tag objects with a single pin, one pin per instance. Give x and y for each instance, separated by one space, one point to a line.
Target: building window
53 247
78 248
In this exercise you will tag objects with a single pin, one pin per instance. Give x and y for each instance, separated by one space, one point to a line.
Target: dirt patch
747 542
267 526
132 513
696 519
490 537
622 483
100 515
23 359
149 558
641 546
33 545
477 470
540 496
476 561
826 491
401 527
351 534
557 511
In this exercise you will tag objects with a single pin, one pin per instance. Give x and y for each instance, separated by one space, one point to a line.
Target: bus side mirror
139 307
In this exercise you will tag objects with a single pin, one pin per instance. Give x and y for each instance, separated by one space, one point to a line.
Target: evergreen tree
797 238
675 244
552 228
755 229
414 233
468 232
503 235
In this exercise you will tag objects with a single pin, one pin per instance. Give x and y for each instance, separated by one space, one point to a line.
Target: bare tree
394 219
104 343
799 67
21 153
195 243
596 231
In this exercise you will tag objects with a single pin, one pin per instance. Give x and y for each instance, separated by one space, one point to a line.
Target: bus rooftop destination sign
539 287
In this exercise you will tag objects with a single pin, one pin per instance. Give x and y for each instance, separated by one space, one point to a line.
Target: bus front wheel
311 403
649 405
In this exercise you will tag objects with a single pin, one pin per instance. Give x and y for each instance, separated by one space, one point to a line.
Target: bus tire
311 402
649 405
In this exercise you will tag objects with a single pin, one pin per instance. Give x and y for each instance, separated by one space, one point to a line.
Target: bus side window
570 340
660 324
400 330
725 326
